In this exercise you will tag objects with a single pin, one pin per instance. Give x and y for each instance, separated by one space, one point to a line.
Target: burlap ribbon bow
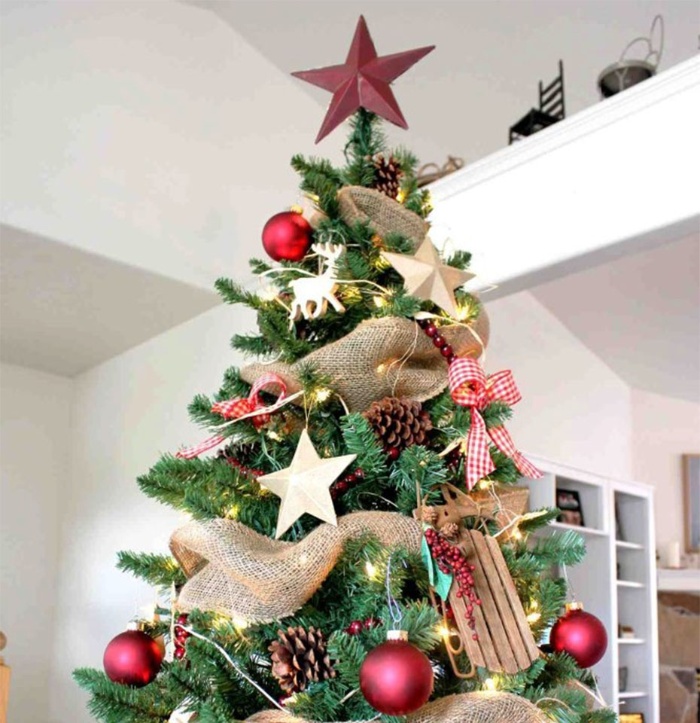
470 387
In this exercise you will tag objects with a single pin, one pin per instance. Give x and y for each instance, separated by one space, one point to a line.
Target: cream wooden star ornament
305 485
181 716
426 277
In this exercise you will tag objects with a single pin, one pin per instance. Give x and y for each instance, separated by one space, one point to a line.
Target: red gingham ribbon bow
236 408
250 406
470 387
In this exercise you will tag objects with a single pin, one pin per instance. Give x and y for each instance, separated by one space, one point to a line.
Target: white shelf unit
617 580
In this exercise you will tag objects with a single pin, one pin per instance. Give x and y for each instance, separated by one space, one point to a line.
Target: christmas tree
359 546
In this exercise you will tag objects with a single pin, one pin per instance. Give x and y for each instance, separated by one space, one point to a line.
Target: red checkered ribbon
250 406
470 387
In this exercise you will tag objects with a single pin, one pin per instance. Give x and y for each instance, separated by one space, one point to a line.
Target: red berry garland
451 561
341 486
439 341
181 636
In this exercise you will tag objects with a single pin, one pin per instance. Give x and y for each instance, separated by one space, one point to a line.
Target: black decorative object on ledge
550 111
628 72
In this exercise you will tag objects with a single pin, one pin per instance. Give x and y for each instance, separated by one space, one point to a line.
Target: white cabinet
616 581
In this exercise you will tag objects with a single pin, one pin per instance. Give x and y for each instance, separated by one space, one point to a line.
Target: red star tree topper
362 81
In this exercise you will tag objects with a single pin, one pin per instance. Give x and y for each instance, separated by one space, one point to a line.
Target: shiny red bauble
132 658
396 678
581 635
287 236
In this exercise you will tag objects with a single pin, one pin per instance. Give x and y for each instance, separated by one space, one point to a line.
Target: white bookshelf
617 580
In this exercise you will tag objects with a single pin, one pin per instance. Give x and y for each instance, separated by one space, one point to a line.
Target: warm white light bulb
370 569
443 631
322 395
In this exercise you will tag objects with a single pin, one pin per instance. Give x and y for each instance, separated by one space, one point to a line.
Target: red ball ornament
396 678
132 658
287 236
579 634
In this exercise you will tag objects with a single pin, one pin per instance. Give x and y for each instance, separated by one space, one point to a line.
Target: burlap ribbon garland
235 571
464 708
380 358
383 214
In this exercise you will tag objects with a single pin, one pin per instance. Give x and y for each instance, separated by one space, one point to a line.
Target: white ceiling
640 314
64 310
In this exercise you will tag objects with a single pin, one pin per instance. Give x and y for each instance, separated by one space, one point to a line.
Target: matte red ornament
396 678
287 236
579 634
132 658
362 81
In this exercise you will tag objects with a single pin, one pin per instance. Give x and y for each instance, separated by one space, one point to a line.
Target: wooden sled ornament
505 505
504 642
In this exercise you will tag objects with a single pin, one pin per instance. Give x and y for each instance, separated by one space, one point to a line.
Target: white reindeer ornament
312 295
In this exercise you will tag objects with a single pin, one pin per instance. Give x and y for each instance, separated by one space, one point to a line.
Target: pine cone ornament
300 657
399 423
387 176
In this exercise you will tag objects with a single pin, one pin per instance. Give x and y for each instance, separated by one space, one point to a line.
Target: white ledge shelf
631 641
624 545
632 694
620 134
678 580
582 530
631 584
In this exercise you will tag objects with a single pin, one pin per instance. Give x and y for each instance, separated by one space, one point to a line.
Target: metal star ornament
426 277
305 485
362 81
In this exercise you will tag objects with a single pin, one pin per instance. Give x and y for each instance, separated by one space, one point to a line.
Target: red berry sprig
439 341
181 636
341 486
357 626
452 561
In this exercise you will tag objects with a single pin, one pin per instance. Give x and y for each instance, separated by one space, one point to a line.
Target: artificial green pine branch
321 180
233 293
158 570
459 259
366 141
115 703
416 476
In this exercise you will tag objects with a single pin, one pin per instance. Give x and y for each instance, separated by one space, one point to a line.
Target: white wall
127 412
663 429
168 139
574 409
35 439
